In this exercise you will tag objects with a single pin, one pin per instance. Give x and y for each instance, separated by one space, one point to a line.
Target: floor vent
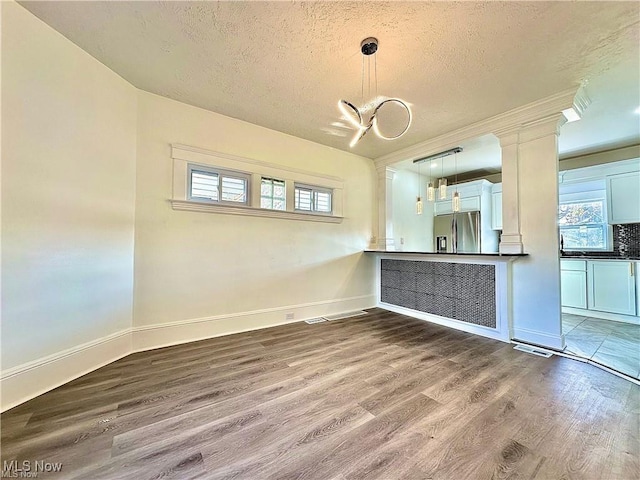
314 320
340 316
532 351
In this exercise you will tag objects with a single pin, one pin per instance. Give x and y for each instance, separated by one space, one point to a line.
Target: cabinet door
496 211
612 287
623 198
573 288
469 204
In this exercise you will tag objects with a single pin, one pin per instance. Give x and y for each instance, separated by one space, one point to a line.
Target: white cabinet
470 204
573 277
623 198
496 210
611 286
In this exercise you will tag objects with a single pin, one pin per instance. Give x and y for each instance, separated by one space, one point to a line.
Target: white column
511 239
530 212
384 240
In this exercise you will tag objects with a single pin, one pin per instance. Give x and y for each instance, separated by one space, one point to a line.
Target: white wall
68 193
208 273
411 232
74 136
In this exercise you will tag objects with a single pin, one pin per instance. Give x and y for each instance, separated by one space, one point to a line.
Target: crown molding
504 122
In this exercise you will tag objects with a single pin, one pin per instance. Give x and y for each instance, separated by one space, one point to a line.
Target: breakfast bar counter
466 291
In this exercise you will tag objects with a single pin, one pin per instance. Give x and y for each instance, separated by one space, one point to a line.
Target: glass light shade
456 202
442 186
419 206
431 192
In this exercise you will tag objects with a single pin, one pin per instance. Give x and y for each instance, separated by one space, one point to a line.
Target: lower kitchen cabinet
611 286
574 288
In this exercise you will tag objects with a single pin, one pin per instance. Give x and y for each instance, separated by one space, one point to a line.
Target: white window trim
272 197
221 174
589 196
313 189
184 155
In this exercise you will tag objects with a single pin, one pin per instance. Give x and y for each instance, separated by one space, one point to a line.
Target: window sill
190 206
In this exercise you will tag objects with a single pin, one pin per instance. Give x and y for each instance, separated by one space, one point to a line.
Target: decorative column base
511 244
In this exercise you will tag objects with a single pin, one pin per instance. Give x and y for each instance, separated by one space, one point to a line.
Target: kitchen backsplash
626 240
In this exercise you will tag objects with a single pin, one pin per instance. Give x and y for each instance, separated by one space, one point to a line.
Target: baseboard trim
542 339
24 382
494 333
147 337
616 317
27 381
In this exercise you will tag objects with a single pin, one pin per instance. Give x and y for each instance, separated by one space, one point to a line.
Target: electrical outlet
289 316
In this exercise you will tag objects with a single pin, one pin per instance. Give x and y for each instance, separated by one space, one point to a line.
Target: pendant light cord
455 166
362 83
375 71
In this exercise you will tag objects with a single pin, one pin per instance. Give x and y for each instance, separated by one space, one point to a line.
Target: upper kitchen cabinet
474 196
496 206
623 198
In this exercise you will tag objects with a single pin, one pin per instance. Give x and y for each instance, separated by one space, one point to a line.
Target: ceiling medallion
354 115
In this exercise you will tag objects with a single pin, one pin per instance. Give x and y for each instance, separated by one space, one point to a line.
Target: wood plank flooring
381 396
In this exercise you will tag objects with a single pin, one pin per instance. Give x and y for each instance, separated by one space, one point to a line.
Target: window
273 194
220 183
219 186
312 199
583 225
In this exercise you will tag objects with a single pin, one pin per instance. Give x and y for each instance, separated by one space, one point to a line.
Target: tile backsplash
626 240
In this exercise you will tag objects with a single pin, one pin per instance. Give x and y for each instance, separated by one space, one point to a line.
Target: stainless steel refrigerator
457 232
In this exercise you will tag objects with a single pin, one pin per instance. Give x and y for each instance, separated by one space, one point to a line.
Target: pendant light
354 115
455 202
442 183
431 194
419 198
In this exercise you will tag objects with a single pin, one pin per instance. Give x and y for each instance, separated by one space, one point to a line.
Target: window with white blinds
205 181
219 186
273 194
308 198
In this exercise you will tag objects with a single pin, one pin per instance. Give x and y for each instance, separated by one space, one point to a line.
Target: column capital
532 130
384 171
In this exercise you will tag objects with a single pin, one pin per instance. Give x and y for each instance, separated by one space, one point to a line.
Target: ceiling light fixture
353 114
455 205
442 182
431 195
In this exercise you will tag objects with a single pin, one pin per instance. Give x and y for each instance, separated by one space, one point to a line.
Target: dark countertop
599 257
437 254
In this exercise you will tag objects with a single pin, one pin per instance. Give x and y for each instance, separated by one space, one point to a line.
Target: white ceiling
285 65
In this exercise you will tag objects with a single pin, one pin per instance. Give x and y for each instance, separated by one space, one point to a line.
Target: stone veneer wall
626 240
461 291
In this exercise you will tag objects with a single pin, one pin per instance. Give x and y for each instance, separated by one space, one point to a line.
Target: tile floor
613 344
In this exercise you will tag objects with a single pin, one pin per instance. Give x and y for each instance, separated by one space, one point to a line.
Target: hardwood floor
380 396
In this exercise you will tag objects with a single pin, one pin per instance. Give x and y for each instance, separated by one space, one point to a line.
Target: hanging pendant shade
431 192
456 202
442 187
419 205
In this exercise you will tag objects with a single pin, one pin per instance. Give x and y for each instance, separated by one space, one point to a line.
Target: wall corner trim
24 382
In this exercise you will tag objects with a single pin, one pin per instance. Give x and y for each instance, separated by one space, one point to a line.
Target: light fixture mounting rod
446 153
369 46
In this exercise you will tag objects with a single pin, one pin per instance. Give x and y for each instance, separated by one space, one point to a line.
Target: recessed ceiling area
285 65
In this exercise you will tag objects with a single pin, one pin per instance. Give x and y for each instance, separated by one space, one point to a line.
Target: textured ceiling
284 65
